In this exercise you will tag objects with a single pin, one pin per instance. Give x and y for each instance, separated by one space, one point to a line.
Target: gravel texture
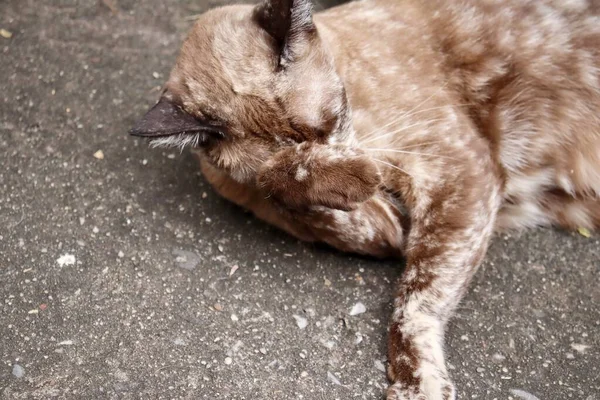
123 276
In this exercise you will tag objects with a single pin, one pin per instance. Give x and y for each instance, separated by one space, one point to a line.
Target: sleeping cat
403 128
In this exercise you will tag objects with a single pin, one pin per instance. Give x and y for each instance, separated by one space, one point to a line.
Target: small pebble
301 321
5 34
359 338
379 366
186 259
228 360
580 348
18 371
333 379
584 232
358 308
99 155
523 394
66 259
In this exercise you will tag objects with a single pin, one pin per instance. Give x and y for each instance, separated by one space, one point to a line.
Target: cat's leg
335 192
446 244
451 223
373 227
253 199
572 212
554 207
311 174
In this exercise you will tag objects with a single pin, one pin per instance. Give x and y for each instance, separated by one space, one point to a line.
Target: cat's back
528 72
531 72
531 69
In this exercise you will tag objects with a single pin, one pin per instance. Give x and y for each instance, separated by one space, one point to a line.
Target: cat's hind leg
572 212
551 207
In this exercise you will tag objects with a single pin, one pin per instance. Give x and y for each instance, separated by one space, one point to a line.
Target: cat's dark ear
165 119
288 22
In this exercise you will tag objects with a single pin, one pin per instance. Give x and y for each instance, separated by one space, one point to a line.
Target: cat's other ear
288 22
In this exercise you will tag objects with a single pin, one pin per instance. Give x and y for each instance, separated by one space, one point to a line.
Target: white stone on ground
301 321
66 259
358 308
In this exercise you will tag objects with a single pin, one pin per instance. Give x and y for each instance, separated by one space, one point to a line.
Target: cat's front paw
312 174
430 388
400 392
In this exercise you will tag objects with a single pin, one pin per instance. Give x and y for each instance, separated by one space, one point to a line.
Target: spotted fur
409 128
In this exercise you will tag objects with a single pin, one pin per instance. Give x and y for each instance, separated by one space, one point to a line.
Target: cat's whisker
442 86
404 128
392 166
420 144
437 108
379 129
410 152
405 116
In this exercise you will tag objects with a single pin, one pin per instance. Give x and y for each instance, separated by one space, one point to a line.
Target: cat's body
393 127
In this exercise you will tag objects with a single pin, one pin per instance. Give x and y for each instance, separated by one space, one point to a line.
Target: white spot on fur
530 185
527 214
573 5
565 183
578 215
588 171
301 174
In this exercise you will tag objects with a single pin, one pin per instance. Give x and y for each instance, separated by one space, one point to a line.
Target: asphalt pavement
124 276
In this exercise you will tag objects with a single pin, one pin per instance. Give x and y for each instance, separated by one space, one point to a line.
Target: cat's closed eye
211 136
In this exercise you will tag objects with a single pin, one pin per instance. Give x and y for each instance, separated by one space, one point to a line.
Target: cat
397 128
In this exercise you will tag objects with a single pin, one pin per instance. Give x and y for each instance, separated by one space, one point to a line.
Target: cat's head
249 81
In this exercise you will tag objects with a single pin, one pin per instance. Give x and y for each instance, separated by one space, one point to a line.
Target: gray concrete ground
126 277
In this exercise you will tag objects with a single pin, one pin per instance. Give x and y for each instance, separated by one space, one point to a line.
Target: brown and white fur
397 128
